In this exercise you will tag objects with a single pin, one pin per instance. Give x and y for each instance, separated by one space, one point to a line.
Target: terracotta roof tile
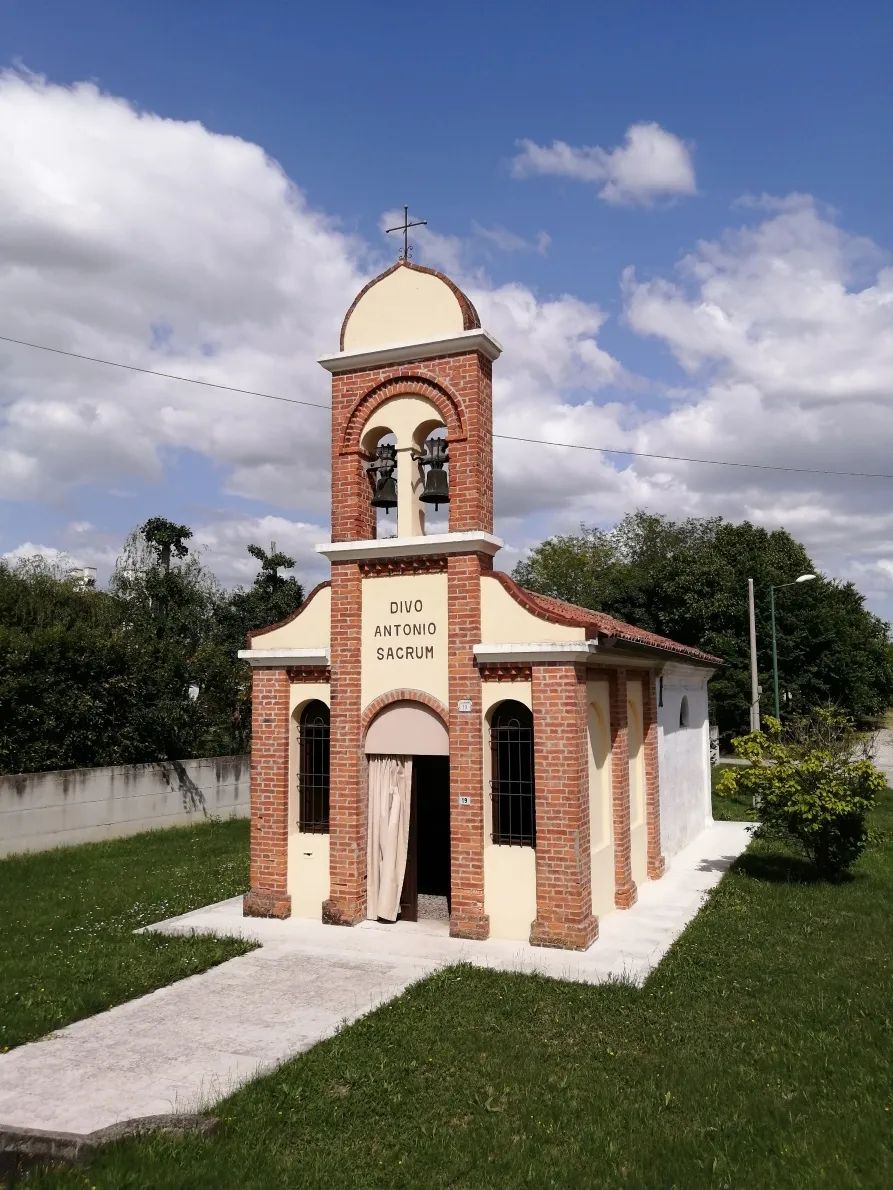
556 611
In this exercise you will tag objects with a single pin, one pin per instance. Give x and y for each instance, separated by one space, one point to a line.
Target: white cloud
158 243
651 163
510 241
154 242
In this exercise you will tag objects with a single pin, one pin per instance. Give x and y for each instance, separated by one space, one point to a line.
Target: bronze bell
434 456
437 488
381 471
385 492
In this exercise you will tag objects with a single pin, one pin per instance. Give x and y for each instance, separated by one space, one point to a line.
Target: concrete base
180 1049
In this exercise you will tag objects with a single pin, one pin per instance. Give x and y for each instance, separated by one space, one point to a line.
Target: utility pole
754 675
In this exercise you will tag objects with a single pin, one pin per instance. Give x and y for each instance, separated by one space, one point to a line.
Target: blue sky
367 107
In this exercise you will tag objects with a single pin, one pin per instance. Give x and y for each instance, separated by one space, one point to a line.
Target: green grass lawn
67 947
737 808
759 1055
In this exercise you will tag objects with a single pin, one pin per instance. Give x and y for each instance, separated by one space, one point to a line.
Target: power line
608 450
248 392
641 454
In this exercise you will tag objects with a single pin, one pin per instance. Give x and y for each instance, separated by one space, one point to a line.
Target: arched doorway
407 749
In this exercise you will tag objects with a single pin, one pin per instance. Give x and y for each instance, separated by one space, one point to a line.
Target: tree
147 670
688 580
814 786
165 537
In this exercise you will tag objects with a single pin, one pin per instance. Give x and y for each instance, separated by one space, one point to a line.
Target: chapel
428 733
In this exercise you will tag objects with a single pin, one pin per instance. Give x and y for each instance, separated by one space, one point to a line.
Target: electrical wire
608 450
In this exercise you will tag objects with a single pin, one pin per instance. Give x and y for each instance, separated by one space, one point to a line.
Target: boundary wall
54 809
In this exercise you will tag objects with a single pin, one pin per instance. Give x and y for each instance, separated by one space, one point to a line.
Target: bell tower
411 334
411 399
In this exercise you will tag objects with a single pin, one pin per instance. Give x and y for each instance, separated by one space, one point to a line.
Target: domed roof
406 304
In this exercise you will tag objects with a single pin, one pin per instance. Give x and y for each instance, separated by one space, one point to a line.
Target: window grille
511 745
313 771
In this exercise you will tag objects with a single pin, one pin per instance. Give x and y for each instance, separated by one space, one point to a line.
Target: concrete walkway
181 1048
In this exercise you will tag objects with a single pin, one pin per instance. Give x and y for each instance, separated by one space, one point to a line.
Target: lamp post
804 578
754 673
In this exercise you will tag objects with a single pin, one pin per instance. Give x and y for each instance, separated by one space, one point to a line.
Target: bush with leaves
813 785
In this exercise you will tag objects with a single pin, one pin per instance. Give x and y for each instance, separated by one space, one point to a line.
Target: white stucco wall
54 809
509 872
684 758
307 879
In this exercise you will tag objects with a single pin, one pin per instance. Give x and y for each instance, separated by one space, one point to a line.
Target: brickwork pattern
504 672
404 695
308 673
388 567
625 892
467 917
460 386
269 795
561 787
656 864
347 805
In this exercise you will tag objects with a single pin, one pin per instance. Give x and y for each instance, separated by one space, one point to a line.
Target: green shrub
813 785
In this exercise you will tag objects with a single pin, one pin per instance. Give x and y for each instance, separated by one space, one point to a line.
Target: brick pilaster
624 886
561 788
467 917
269 795
652 778
347 802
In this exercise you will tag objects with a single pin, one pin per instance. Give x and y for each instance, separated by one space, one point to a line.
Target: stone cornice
410 547
280 658
403 353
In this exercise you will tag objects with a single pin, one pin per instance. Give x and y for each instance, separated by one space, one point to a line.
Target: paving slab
179 1049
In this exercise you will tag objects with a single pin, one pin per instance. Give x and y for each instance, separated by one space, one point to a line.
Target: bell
437 488
385 493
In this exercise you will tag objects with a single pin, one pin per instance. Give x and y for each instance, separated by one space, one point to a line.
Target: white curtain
390 787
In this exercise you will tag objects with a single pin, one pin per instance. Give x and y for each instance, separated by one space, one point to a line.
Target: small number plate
464 705
464 801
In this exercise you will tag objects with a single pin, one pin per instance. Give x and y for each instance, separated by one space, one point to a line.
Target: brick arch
420 385
392 696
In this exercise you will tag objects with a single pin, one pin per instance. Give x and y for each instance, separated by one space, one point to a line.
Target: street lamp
804 578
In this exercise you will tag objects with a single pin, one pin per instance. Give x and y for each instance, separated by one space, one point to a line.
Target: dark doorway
428 860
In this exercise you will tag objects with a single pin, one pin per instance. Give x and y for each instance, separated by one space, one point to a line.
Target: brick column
269 795
347 795
624 886
561 789
652 778
467 918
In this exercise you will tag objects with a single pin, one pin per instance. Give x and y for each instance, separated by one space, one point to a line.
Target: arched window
313 771
511 743
683 711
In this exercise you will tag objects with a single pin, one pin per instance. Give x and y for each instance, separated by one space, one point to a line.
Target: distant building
424 727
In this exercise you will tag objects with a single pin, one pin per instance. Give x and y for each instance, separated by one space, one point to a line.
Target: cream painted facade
403 307
638 831
504 621
308 854
405 646
397 627
405 642
509 872
601 818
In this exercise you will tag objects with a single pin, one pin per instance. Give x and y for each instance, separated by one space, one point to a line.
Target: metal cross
404 227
